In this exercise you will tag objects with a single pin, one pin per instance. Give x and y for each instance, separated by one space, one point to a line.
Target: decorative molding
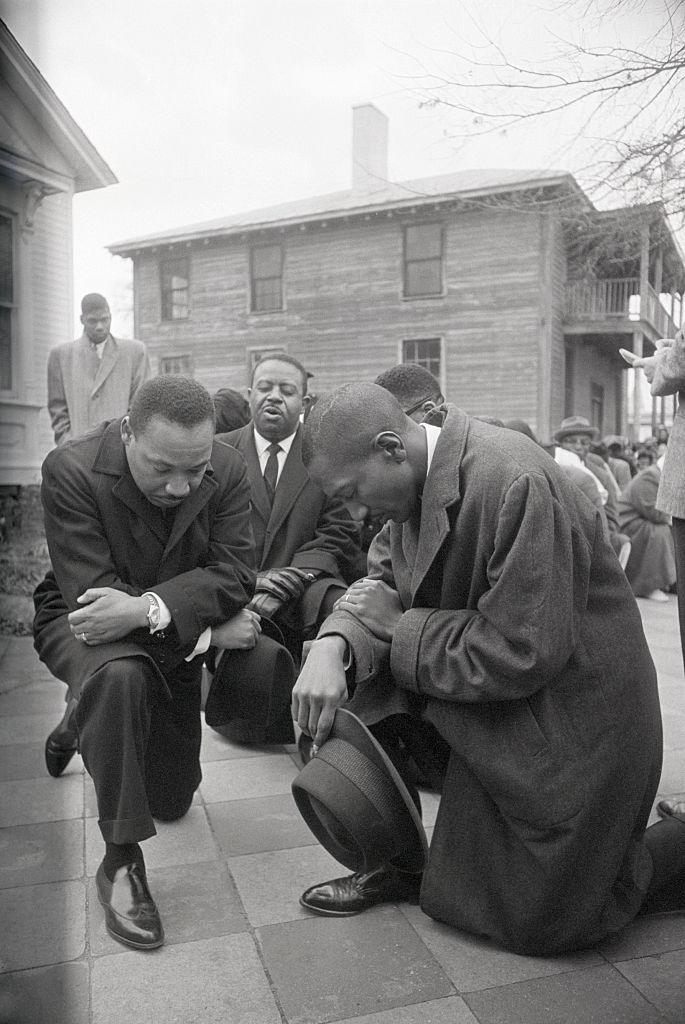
34 193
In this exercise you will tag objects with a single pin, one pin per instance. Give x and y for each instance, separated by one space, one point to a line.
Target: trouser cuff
128 830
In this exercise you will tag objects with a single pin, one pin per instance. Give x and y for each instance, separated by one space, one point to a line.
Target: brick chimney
369 148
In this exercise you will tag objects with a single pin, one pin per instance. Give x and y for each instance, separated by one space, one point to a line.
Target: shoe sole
331 913
66 755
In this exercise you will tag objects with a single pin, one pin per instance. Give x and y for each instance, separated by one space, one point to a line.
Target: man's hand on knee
107 615
240 632
321 687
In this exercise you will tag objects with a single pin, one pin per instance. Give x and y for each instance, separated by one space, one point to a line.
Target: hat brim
592 433
354 801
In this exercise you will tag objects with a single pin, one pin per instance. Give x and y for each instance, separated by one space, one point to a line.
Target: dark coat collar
111 460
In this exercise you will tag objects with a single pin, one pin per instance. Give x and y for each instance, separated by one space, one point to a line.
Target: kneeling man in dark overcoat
496 613
148 527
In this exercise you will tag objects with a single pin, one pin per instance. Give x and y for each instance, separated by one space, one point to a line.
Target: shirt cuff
203 642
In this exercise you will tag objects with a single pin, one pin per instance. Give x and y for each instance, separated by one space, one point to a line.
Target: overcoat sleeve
334 547
221 583
669 375
526 624
370 656
141 371
57 400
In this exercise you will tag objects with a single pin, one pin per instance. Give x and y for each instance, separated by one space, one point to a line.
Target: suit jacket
522 644
102 532
669 379
84 390
303 528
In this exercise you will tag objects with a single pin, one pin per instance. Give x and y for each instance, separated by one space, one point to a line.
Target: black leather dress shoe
343 897
62 743
671 809
131 916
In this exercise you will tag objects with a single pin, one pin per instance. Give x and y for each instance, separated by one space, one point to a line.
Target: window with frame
176 366
6 302
175 287
266 278
423 245
426 352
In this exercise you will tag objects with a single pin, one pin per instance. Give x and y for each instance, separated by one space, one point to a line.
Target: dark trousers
679 544
141 749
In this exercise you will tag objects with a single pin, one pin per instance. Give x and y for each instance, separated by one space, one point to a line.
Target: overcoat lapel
106 364
258 494
441 490
190 508
293 479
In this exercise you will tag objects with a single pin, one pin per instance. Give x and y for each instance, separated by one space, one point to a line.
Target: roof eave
90 170
193 233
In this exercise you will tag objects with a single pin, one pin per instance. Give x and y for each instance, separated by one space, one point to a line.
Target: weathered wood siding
345 316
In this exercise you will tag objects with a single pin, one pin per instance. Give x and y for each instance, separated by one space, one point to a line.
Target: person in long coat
496 611
95 377
305 546
665 371
651 566
147 521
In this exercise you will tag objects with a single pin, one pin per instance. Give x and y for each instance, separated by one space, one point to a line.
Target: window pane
5 259
5 349
176 365
266 294
266 261
424 352
423 241
175 288
424 278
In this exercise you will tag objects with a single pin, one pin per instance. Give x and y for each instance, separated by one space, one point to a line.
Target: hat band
367 804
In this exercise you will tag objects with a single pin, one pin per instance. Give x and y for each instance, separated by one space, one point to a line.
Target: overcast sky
211 107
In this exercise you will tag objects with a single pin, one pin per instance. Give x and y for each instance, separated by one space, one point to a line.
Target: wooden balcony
615 306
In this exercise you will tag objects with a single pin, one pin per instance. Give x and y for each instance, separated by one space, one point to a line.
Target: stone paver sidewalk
240 949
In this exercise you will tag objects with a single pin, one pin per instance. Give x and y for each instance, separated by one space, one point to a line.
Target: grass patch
24 560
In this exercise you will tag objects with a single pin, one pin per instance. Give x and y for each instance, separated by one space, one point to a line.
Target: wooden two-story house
478 275
45 159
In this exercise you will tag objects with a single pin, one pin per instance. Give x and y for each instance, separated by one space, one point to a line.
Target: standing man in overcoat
95 377
496 611
305 544
665 371
148 527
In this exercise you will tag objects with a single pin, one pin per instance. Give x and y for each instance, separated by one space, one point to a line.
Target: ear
82 319
305 402
126 432
391 445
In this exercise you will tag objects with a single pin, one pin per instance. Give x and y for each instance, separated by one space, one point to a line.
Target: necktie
271 470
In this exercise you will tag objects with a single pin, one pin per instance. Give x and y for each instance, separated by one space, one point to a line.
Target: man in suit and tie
148 527
95 377
305 544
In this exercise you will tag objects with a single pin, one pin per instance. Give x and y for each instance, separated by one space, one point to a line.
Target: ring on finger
82 637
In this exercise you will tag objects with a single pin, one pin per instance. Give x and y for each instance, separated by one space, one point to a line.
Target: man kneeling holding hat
495 618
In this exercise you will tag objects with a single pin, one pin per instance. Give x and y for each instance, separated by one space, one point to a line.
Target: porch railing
617 297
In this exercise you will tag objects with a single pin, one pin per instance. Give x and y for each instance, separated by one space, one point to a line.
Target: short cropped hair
180 400
342 425
410 383
93 302
231 409
283 357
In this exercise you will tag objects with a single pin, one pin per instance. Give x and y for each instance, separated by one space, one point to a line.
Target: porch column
637 390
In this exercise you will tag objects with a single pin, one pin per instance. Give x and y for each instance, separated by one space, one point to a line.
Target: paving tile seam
643 995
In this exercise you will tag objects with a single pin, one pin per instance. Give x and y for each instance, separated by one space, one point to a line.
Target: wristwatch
153 612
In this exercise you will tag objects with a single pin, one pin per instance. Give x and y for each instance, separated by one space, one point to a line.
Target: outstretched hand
321 687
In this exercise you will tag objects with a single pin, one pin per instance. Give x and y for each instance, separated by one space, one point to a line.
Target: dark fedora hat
575 425
249 695
356 804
